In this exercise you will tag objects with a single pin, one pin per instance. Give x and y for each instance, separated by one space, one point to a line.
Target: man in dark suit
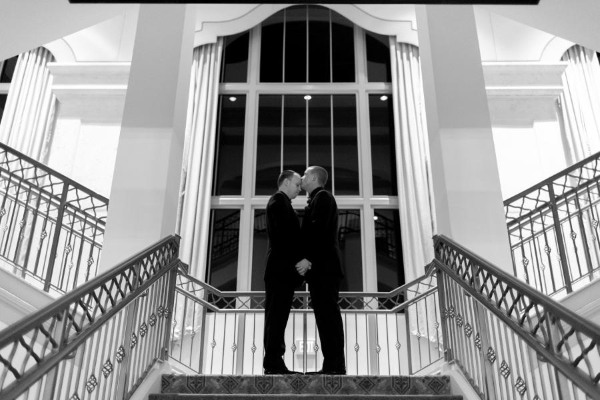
281 276
321 248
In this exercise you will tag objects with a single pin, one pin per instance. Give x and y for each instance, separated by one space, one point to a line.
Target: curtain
417 215
198 158
579 104
28 119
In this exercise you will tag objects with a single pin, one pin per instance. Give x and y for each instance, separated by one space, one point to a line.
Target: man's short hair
287 174
321 174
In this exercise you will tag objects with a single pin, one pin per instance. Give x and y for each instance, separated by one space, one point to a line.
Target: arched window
306 87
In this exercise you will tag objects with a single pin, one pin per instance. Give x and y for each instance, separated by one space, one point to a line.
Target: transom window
306 87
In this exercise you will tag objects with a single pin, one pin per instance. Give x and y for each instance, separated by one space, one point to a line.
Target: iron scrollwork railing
51 227
99 340
385 333
554 230
510 340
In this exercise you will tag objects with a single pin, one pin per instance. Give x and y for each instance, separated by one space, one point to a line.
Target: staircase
304 386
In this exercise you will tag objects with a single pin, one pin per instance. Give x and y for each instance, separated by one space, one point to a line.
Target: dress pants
278 302
324 294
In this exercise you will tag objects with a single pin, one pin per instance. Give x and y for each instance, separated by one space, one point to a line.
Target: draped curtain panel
415 194
198 158
29 115
579 104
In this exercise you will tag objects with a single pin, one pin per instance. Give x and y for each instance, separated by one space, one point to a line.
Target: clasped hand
303 266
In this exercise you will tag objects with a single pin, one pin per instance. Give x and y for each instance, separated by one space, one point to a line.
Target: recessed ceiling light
232 98
383 98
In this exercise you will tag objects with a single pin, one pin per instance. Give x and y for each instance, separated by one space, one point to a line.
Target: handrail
37 351
594 158
386 333
553 229
494 300
51 227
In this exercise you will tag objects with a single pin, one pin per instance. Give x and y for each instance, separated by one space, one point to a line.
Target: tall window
306 87
7 69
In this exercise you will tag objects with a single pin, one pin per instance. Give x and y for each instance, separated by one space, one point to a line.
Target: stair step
300 396
312 385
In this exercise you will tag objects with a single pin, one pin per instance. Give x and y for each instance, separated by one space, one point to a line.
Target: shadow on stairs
275 387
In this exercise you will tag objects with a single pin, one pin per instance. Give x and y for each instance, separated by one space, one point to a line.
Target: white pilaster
144 193
465 173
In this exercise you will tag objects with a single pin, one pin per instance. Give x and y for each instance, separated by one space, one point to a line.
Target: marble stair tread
305 385
188 396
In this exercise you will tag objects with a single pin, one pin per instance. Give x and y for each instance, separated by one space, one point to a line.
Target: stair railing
554 232
509 340
395 333
98 341
51 227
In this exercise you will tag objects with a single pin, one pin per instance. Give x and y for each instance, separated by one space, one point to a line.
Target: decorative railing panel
51 228
385 333
98 341
553 229
510 340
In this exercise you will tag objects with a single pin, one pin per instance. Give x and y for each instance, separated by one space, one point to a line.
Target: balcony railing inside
100 340
51 227
395 333
509 340
554 231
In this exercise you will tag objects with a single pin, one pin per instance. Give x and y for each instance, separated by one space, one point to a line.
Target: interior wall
86 151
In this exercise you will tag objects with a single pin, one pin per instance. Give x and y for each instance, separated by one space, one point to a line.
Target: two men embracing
303 253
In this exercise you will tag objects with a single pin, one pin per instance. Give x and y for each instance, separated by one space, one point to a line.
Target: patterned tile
195 384
230 383
264 383
367 384
298 383
305 384
332 383
401 384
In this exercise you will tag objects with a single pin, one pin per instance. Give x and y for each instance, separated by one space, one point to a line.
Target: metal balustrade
98 341
553 229
395 333
51 227
510 341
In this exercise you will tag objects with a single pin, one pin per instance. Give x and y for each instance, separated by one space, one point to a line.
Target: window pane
271 53
345 146
224 243
349 234
2 104
378 58
388 247
342 49
235 59
230 145
295 44
383 154
260 245
268 147
8 69
319 133
318 45
294 133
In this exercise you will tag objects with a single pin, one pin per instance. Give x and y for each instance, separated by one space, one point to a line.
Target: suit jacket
285 248
320 235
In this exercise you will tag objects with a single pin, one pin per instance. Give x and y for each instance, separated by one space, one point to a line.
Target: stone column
466 183
144 192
